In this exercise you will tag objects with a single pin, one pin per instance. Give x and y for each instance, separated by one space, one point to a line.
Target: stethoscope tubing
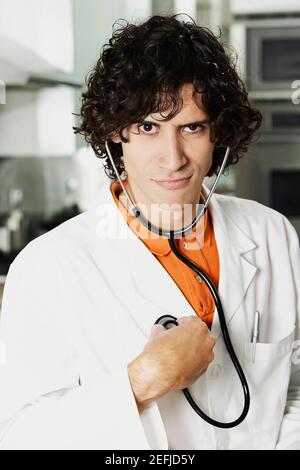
227 342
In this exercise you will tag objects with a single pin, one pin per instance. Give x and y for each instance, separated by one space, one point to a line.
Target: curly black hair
141 71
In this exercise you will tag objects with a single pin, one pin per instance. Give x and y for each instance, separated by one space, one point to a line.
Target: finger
189 319
156 330
181 320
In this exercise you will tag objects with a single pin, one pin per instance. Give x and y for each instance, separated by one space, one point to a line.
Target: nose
172 154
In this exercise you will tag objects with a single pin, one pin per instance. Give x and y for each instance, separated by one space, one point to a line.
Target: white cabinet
241 7
36 38
37 123
42 26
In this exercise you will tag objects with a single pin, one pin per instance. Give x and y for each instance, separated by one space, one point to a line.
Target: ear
115 137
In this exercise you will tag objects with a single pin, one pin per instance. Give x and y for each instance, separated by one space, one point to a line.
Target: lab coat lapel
153 284
236 271
132 271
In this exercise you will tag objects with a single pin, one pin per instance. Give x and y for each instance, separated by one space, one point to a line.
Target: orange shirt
203 253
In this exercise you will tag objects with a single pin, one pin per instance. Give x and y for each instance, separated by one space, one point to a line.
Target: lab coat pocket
269 351
267 374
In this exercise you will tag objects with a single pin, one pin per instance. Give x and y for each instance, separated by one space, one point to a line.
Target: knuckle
181 320
211 356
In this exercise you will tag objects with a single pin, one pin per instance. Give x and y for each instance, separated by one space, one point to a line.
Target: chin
185 198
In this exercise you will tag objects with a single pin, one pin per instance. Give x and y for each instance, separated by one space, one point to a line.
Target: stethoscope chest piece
168 321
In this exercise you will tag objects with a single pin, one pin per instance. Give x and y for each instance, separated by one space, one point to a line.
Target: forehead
192 106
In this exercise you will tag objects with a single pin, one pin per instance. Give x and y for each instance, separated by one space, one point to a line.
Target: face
166 161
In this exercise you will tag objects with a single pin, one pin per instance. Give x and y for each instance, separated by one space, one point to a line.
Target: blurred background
47 48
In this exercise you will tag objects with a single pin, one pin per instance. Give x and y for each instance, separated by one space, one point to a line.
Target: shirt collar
159 245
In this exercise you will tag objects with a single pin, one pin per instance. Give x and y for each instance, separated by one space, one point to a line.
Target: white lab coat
79 305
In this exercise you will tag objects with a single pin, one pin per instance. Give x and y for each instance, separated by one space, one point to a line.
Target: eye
194 128
148 128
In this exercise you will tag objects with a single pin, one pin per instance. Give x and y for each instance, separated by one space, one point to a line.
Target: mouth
174 183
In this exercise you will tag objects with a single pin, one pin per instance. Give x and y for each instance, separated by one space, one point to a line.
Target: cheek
136 161
134 165
204 161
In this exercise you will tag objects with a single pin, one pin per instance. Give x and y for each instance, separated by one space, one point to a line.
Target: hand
172 359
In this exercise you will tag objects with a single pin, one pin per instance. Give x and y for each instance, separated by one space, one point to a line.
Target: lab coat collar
153 291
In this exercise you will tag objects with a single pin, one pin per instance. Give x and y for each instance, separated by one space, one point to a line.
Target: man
85 367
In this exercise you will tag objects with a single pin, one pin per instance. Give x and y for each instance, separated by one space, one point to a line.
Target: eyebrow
194 123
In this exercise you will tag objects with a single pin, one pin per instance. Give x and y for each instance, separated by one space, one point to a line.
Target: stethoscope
169 321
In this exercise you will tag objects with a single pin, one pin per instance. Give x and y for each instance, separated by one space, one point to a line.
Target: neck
164 216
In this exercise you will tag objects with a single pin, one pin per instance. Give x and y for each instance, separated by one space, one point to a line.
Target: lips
174 183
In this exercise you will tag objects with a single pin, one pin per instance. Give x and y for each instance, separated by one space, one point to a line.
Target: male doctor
84 367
